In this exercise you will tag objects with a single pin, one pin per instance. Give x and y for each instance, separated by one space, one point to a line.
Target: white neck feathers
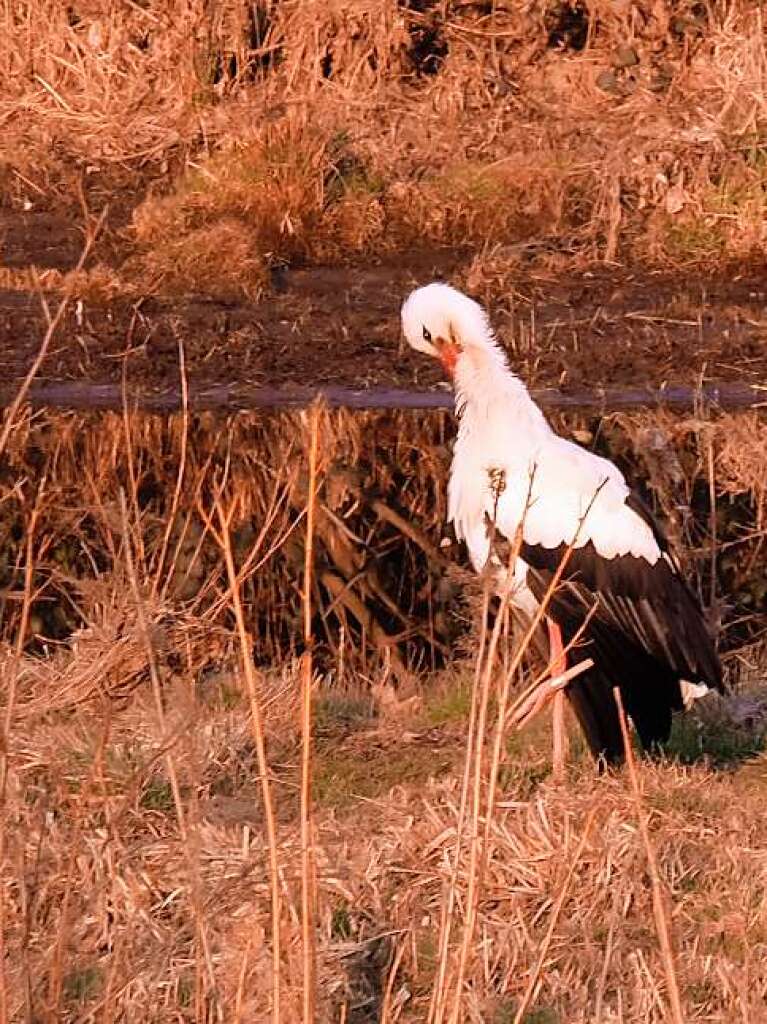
491 402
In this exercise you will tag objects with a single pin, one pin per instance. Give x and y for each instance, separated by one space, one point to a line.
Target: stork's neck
492 403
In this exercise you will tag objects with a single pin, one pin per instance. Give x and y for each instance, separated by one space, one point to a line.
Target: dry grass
143 750
93 815
191 812
313 131
386 594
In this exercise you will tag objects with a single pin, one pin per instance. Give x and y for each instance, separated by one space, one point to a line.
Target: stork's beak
447 353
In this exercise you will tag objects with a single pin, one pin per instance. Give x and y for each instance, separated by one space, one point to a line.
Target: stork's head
445 323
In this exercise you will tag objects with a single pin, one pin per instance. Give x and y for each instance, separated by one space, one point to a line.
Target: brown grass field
256 761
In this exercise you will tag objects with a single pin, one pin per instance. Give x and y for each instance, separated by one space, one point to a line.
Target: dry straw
168 876
660 911
316 131
308 866
172 844
223 536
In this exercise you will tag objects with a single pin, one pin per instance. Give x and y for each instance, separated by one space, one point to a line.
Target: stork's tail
650 707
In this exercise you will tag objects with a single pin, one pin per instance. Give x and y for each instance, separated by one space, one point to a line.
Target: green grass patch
715 738
449 704
157 796
342 714
506 1013
82 984
343 776
695 240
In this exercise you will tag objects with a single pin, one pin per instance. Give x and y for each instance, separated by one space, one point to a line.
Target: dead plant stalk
659 909
474 746
472 896
257 726
439 993
53 325
557 910
308 867
479 851
188 839
29 575
181 466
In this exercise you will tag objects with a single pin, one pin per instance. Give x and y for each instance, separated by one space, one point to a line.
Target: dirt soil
340 325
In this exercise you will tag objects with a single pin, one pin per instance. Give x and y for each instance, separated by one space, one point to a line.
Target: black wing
645 634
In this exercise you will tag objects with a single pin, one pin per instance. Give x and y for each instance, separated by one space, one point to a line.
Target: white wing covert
573 495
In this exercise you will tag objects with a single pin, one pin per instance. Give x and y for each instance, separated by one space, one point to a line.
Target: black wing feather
645 634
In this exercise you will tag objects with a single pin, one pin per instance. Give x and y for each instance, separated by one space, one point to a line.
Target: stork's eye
426 335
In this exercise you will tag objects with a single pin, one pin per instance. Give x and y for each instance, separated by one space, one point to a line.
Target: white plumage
562 491
509 467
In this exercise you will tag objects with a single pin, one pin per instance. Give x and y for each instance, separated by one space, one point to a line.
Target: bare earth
339 325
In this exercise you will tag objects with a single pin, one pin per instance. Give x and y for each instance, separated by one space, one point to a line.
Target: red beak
448 356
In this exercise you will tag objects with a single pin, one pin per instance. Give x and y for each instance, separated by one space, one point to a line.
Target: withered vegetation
135 856
237 136
153 646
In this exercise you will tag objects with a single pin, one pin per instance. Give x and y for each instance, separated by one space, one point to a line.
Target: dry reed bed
150 856
295 131
139 877
382 579
176 469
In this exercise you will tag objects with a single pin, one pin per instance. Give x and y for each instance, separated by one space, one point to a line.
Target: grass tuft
313 132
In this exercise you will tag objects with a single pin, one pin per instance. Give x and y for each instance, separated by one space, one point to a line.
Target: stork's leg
557 665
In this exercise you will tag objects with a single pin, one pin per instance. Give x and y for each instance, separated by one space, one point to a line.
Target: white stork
646 632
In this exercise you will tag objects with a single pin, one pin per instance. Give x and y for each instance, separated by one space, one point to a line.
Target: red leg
557 665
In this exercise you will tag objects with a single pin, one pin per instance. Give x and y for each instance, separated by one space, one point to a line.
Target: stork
621 595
